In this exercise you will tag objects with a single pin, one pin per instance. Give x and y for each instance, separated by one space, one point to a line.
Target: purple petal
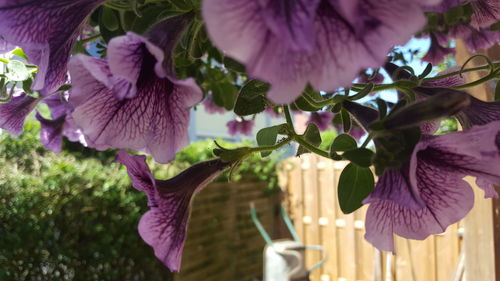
243 127
154 121
211 107
139 173
5 46
486 13
436 53
51 132
481 39
479 113
452 81
473 152
14 112
291 21
341 49
164 226
125 57
46 31
447 199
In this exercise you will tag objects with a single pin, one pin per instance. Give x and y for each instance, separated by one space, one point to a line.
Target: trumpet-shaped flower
164 226
129 101
46 31
428 193
324 43
14 112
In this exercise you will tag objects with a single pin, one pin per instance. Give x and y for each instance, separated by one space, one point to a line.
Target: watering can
284 260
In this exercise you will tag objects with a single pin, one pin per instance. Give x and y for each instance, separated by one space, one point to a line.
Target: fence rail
310 186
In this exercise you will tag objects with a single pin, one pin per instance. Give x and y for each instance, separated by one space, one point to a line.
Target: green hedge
74 216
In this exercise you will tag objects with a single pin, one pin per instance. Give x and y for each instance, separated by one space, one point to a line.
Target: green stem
479 81
368 139
439 77
288 117
265 148
311 147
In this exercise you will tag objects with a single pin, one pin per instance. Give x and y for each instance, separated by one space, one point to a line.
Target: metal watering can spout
284 259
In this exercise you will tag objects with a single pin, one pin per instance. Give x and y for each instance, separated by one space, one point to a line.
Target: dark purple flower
479 113
481 39
129 101
14 112
357 132
243 127
46 31
428 194
436 52
322 119
164 226
211 107
325 43
451 81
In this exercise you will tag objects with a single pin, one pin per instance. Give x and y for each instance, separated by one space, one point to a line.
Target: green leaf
251 99
20 53
382 108
226 93
497 91
355 184
17 71
233 65
302 104
109 19
312 136
268 136
343 142
362 157
426 72
346 120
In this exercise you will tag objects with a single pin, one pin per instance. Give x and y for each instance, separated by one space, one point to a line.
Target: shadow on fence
310 186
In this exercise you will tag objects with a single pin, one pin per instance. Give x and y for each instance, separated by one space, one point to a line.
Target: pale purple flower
164 226
357 132
242 126
46 30
428 194
324 43
322 119
211 107
481 39
130 101
61 124
5 46
14 112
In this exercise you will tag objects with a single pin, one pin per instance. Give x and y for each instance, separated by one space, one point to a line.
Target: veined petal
139 173
473 152
51 132
125 58
14 112
46 30
479 113
164 226
447 199
341 50
291 21
154 121
5 46
486 13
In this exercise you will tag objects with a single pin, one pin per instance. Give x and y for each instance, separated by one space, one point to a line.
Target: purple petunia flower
321 119
46 31
436 52
130 101
164 226
5 46
321 42
486 13
243 127
428 194
211 107
61 124
14 112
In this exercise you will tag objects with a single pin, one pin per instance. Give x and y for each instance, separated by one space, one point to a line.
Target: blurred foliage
74 216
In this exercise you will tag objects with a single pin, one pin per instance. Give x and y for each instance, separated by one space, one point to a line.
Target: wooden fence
310 185
222 242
